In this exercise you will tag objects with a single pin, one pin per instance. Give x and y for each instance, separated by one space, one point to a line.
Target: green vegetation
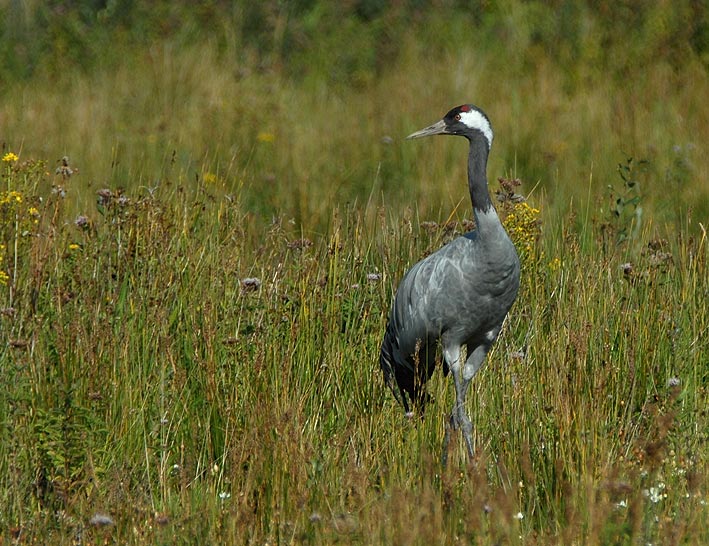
191 302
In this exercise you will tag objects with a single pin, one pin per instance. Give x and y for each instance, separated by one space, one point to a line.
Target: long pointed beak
438 128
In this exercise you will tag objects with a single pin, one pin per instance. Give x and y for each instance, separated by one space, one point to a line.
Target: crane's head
466 120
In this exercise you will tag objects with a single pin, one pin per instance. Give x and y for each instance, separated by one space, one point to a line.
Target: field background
192 301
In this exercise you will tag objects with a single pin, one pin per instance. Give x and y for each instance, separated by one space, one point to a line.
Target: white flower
519 516
224 495
655 493
101 520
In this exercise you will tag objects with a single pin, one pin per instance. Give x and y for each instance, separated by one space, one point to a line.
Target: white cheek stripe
475 120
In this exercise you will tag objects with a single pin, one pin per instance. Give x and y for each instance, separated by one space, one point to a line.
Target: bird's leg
473 363
453 359
446 441
459 417
462 375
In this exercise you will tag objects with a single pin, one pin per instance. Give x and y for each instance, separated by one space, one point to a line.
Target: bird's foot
467 428
452 425
459 420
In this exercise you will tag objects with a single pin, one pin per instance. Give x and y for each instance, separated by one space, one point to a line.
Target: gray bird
459 295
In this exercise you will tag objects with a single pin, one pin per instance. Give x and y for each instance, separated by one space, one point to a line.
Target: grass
147 379
199 111
191 307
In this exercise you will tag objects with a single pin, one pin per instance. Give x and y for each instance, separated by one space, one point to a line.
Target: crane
459 295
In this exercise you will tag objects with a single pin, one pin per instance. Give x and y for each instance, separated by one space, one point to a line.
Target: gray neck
483 209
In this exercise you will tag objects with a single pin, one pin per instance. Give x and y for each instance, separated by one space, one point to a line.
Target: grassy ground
191 308
145 377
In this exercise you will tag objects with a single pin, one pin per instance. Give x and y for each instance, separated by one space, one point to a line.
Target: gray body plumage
459 295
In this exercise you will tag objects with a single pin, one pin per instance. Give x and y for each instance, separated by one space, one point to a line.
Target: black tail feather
406 377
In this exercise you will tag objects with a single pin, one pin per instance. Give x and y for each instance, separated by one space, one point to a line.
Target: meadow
200 237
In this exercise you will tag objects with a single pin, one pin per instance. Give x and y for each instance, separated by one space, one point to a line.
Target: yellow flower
523 224
8 197
209 178
4 277
9 158
74 246
263 136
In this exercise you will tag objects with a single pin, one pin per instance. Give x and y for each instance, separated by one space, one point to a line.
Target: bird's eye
457 117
